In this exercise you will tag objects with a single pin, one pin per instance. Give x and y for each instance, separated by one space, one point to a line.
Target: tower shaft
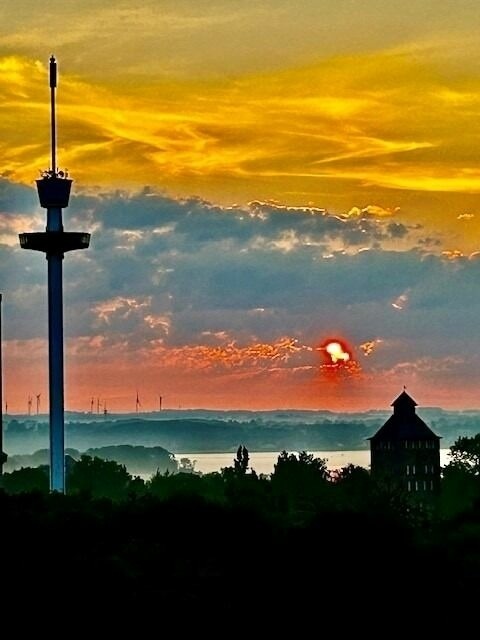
55 356
3 456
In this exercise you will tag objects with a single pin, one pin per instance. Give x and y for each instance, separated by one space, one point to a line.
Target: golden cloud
373 210
191 357
318 130
127 132
369 347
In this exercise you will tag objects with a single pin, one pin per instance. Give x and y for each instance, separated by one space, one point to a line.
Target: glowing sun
337 352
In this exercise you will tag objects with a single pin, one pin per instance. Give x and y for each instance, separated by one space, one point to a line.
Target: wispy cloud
341 157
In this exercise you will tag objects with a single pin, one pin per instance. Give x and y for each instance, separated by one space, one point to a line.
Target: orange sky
306 133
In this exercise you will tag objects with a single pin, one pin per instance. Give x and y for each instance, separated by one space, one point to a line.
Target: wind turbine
138 404
38 402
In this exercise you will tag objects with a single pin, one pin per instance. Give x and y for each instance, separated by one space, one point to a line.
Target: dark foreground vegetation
303 544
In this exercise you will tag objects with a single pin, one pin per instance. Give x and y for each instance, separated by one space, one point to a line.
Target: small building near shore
405 452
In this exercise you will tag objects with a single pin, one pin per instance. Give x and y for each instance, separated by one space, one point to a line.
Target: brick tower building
406 452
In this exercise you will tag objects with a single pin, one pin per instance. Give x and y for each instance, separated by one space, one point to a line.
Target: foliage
465 454
300 483
186 465
353 486
99 478
186 554
241 462
137 459
233 541
166 485
304 469
460 490
26 480
461 477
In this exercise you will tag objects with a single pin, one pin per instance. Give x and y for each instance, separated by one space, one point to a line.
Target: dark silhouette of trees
186 465
233 541
26 480
240 488
300 483
465 454
353 486
137 459
461 477
241 462
302 466
167 485
99 478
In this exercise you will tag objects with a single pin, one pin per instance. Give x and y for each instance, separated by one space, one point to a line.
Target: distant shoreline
260 450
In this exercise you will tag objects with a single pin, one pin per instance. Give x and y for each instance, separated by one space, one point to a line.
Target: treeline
233 543
298 486
194 435
303 542
138 459
268 433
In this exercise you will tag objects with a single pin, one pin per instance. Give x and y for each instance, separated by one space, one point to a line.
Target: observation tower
54 192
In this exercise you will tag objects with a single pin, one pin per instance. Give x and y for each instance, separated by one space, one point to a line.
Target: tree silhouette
465 454
461 477
26 480
292 468
300 483
99 478
241 462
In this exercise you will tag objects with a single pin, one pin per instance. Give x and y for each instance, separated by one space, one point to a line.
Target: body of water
263 461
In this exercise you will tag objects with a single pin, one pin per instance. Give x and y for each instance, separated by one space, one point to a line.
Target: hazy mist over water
264 461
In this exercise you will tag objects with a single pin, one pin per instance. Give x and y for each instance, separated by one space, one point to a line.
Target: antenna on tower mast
53 86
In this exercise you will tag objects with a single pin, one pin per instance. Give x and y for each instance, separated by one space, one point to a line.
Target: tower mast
53 120
3 456
54 193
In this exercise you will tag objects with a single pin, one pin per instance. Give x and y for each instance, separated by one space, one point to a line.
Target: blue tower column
3 455
55 356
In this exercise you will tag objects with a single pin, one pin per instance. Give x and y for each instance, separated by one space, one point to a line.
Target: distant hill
137 459
222 431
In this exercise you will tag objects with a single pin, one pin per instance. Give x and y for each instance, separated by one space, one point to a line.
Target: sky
260 179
